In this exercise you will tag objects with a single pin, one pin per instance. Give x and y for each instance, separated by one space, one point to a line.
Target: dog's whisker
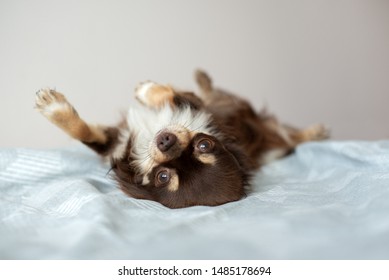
199 127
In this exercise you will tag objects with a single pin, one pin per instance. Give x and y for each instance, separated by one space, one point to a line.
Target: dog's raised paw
46 97
153 95
50 102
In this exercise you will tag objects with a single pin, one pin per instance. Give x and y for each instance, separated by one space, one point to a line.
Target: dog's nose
165 141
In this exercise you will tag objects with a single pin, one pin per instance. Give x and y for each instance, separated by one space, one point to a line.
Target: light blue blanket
329 200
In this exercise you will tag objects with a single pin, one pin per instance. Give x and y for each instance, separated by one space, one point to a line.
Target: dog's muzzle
166 140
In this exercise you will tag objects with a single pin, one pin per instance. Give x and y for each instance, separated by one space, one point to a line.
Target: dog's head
180 161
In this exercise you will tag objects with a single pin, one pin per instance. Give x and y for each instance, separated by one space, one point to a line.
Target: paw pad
49 101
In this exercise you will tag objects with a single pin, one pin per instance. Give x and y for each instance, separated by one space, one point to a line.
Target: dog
181 149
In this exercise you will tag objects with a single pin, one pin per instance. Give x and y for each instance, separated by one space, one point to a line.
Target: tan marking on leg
54 106
314 133
154 95
293 136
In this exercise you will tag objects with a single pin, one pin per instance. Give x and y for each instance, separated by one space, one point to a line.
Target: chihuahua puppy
182 149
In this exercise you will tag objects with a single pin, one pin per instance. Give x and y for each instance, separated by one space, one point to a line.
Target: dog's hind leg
54 106
315 132
279 139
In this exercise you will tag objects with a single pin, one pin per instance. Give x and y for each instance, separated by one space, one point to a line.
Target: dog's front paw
53 105
154 95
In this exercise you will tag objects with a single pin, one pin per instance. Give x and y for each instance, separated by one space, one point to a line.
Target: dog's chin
196 193
204 184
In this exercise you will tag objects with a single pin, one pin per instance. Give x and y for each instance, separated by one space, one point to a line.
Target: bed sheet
328 200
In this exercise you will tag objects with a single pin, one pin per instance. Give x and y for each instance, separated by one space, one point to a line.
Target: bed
328 200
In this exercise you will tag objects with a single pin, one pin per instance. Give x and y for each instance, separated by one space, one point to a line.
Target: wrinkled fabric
328 200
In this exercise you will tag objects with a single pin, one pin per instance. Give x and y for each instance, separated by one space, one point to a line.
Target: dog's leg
313 133
279 140
54 106
155 96
293 136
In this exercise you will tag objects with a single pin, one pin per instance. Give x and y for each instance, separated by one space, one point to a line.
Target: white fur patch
47 102
272 155
55 107
142 90
145 123
120 148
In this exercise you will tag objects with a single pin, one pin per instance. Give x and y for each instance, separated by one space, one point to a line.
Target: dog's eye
205 146
163 177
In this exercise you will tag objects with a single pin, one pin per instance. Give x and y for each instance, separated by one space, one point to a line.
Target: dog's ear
129 182
203 81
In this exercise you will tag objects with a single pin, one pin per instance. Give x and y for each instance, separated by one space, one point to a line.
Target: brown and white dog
181 149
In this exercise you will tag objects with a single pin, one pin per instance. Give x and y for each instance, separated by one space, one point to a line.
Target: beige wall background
308 61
